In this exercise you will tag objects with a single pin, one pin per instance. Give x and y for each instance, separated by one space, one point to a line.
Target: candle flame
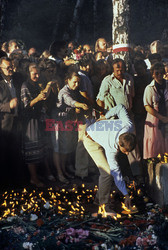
125 208
139 191
102 210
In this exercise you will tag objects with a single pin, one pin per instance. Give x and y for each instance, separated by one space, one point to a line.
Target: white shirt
106 133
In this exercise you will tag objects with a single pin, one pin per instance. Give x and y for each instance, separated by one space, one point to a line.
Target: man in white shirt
103 140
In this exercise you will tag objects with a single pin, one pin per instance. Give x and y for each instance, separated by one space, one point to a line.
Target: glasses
8 68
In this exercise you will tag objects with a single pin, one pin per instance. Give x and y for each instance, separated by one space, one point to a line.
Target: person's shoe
62 179
51 177
109 209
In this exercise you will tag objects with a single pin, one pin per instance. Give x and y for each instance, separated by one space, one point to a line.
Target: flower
47 205
28 245
82 233
33 217
18 230
139 241
70 231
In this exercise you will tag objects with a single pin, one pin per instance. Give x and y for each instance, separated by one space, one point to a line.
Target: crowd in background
47 100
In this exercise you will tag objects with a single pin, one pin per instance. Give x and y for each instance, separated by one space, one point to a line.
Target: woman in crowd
141 79
156 105
34 139
65 136
49 70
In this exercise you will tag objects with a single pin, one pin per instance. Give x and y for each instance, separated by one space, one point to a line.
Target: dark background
39 22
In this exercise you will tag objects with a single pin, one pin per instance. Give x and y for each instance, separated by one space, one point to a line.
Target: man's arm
115 172
118 179
122 114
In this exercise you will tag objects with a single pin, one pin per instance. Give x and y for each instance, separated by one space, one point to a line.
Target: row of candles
13 203
62 202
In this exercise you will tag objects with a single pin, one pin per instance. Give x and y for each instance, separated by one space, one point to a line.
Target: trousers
97 153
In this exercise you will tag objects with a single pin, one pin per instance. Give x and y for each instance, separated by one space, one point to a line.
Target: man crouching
103 140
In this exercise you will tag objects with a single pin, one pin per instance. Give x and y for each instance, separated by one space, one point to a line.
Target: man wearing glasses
10 130
8 96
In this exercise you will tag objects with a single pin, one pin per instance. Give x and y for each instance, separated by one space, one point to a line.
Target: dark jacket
7 115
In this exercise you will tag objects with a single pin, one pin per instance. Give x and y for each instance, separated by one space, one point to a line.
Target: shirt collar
116 82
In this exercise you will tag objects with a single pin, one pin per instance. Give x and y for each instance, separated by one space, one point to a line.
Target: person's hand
164 119
127 202
51 83
85 107
41 96
13 103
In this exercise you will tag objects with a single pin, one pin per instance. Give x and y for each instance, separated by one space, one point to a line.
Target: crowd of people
50 101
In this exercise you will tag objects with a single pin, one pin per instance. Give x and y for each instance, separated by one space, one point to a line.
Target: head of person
72 78
119 68
4 47
32 52
45 54
127 142
98 56
154 58
101 45
166 71
156 47
48 69
58 49
6 67
72 45
87 49
139 48
157 71
34 72
84 64
140 67
17 54
137 55
12 45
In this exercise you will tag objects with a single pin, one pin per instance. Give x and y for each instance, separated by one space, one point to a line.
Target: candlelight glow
159 156
125 208
102 210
